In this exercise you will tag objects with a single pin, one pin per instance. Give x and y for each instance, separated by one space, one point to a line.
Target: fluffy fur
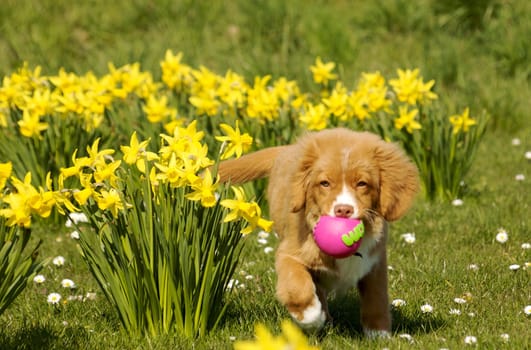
333 172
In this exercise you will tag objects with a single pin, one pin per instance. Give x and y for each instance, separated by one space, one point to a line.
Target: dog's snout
343 210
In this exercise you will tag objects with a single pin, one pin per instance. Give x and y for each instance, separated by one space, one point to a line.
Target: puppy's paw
312 318
377 334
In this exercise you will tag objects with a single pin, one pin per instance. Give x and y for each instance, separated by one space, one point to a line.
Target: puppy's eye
361 184
324 183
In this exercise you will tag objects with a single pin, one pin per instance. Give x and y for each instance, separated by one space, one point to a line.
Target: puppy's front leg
375 314
298 292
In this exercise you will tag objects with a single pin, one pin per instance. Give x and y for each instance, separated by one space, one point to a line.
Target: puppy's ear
300 182
399 180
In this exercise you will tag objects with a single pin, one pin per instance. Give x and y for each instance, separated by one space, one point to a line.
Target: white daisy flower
268 250
75 218
471 314
527 310
526 245
502 236
519 177
460 300
426 308
470 340
528 155
68 283
473 267
516 142
514 267
39 279
263 234
409 237
398 302
262 241
457 202
54 298
58 261
505 337
406 336
454 312
90 296
74 235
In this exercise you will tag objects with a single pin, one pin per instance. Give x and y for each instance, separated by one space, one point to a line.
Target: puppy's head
354 175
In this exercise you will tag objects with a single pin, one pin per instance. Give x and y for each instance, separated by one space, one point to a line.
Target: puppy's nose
343 210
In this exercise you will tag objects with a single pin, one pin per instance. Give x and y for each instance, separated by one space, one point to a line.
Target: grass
477 53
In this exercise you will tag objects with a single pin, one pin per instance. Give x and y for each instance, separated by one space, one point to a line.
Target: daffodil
110 200
322 72
204 189
157 109
241 208
407 119
136 153
410 88
235 142
290 338
30 125
5 173
462 121
314 117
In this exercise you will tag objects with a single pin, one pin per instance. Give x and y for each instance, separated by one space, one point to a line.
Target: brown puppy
334 172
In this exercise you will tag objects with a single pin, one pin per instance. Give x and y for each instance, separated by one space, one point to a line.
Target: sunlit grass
455 253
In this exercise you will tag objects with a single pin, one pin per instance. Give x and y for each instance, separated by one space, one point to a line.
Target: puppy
335 172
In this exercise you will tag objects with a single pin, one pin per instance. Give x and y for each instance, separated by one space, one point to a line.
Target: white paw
376 334
313 318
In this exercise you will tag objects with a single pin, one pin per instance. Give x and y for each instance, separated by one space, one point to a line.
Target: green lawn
478 53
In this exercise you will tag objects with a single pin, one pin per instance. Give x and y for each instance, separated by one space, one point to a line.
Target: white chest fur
350 270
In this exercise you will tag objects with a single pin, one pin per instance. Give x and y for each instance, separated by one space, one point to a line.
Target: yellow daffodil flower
462 121
407 119
204 189
236 143
136 153
5 173
322 72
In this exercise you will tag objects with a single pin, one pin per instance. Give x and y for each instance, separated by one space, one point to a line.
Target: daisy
527 310
460 300
514 267
528 155
408 238
470 340
268 250
516 142
90 296
74 218
398 302
406 336
74 235
502 236
263 234
58 261
454 312
457 202
505 337
426 308
526 245
54 298
68 283
262 241
39 279
473 267
519 177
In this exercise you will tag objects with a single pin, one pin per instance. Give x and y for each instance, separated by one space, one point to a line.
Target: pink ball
338 237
